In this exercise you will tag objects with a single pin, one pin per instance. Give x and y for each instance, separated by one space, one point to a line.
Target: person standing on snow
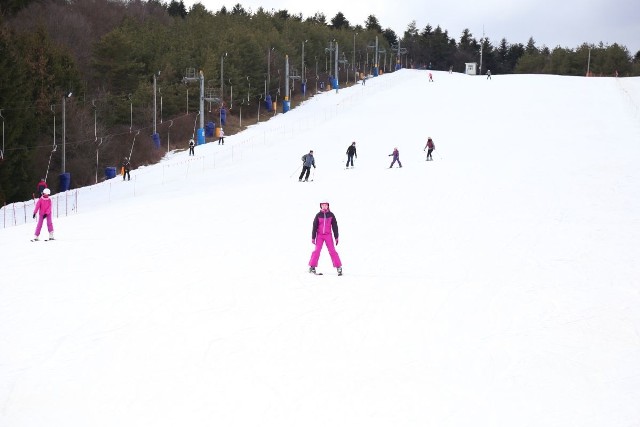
488 74
43 207
431 146
323 224
192 145
41 186
351 151
307 162
396 157
221 137
126 167
430 77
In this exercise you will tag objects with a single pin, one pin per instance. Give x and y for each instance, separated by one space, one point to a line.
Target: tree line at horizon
106 52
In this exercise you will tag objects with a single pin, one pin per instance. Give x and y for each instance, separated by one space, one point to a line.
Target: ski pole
294 172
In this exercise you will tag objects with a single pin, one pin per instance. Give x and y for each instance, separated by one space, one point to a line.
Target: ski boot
312 270
339 271
51 236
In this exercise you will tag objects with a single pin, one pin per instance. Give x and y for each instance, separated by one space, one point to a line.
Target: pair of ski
317 273
43 240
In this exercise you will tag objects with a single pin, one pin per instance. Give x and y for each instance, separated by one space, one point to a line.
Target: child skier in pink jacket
323 224
43 206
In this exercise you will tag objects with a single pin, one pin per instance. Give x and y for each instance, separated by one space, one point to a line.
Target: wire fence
240 147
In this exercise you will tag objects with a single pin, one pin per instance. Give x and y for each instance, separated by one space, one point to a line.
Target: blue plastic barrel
286 106
210 129
303 87
156 140
375 71
65 181
268 103
200 136
110 172
223 116
334 83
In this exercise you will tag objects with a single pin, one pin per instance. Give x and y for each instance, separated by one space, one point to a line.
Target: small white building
471 68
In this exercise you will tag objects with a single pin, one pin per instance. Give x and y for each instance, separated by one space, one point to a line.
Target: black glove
314 166
44 216
34 216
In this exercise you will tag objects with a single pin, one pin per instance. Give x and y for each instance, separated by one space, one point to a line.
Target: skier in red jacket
41 186
431 146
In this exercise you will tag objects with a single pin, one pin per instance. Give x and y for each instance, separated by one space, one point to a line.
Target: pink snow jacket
43 205
324 223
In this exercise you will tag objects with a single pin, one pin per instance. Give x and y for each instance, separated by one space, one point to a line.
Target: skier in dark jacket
431 146
307 162
126 167
323 224
351 152
396 157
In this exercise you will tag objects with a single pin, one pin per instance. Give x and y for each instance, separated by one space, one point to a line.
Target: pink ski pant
49 224
315 255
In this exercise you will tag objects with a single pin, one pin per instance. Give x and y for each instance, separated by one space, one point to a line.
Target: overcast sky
567 24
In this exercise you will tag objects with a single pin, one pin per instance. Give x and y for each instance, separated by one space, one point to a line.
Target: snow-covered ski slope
498 285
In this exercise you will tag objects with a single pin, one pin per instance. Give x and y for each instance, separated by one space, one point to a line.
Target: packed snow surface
498 285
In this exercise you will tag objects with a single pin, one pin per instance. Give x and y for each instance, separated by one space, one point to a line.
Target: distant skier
307 162
323 224
396 157
221 139
431 146
192 145
41 186
126 168
488 76
43 209
351 152
430 77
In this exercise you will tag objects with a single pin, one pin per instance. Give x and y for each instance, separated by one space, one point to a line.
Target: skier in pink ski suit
43 206
323 224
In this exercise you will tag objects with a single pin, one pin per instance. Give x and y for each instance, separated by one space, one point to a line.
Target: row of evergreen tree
107 53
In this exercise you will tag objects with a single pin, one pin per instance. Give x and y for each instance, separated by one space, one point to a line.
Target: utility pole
268 71
155 111
222 78
191 76
64 131
1 117
336 68
481 46
353 64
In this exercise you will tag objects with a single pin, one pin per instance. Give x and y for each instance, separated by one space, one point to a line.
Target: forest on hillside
81 74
